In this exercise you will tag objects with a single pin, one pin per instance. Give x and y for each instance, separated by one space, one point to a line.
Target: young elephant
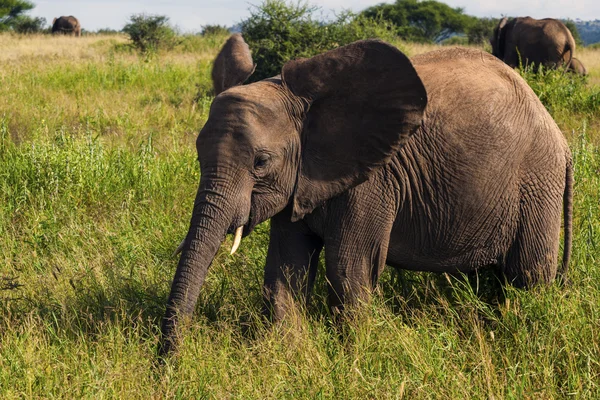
577 67
527 40
448 162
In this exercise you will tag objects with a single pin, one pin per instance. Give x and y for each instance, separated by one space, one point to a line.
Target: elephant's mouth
248 225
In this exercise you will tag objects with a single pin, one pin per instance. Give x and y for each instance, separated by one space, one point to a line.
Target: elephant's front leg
359 224
292 262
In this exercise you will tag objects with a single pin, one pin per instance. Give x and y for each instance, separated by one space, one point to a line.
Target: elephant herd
444 162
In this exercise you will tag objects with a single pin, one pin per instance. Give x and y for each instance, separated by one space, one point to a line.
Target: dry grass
21 48
99 85
591 59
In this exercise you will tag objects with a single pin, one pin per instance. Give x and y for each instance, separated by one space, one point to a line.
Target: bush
278 31
562 92
106 31
570 24
481 30
149 33
26 25
214 30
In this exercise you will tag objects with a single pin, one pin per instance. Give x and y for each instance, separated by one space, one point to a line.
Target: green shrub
278 31
481 30
570 24
149 33
216 30
563 92
107 31
26 25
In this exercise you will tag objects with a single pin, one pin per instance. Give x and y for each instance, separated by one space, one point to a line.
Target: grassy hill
589 31
98 173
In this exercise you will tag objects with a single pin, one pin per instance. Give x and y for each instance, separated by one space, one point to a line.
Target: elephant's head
498 39
577 67
325 125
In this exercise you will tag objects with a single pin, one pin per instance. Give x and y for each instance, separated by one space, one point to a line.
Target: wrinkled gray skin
233 65
577 67
66 26
526 40
446 162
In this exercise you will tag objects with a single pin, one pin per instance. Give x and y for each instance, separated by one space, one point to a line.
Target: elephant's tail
568 218
570 47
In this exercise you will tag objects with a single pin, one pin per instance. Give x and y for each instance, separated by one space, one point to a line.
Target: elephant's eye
261 161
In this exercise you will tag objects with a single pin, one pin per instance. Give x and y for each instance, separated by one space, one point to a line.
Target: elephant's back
469 86
462 71
66 21
484 135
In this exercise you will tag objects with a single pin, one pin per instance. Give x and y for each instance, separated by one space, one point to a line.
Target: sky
191 15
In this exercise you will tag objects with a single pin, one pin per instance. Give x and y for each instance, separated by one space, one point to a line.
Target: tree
215 30
480 30
11 10
574 31
426 21
278 31
149 33
25 24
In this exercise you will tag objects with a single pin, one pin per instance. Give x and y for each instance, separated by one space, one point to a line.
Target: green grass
571 100
97 179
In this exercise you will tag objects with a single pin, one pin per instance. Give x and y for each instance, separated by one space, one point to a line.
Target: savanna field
98 175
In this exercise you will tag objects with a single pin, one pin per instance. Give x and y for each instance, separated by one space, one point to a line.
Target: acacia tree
427 21
280 30
11 11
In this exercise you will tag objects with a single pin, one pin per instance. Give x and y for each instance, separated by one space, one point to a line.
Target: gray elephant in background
577 67
447 162
526 40
66 26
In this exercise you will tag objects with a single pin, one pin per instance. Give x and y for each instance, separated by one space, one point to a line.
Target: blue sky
190 15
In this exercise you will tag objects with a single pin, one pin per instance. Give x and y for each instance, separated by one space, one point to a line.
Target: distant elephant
577 67
446 162
66 26
525 40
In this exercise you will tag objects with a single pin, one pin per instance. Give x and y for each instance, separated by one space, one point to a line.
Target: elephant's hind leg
533 256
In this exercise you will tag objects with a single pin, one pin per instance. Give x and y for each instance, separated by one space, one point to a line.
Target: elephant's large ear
233 64
500 37
365 100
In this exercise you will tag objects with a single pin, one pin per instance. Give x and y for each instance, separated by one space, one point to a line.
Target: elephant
66 26
446 162
577 67
526 40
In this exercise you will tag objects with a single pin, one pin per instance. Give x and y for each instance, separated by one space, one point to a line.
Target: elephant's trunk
211 219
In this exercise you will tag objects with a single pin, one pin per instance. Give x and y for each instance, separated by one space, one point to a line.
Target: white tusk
237 239
179 248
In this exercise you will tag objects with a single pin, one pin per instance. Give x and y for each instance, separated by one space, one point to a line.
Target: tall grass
97 178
